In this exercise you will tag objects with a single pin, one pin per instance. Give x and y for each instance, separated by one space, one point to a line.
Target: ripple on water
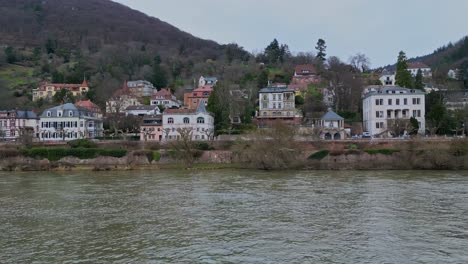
234 217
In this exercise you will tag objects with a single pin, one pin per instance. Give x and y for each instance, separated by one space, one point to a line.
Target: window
274 105
274 97
170 120
200 120
405 101
279 105
265 97
389 101
186 120
379 125
49 114
265 105
378 101
379 114
397 101
70 113
279 96
59 114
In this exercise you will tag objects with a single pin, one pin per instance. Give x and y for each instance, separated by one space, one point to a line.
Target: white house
207 81
141 88
165 98
388 78
120 100
453 74
277 103
332 126
413 68
69 122
142 110
382 105
198 122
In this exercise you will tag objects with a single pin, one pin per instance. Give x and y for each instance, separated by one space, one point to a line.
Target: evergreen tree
218 105
10 54
262 79
403 76
321 49
418 82
273 51
159 76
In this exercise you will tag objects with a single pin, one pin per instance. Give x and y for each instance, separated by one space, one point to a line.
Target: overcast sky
378 28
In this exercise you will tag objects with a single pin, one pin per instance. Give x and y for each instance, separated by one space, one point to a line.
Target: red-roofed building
120 100
165 98
201 94
304 75
414 67
92 107
47 90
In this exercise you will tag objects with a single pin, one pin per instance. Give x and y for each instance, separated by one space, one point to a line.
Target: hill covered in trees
92 24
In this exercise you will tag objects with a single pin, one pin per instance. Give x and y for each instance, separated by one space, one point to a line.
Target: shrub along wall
54 154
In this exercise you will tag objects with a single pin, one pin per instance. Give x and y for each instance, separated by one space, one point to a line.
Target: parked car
366 135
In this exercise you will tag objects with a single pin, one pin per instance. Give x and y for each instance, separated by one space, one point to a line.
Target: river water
234 217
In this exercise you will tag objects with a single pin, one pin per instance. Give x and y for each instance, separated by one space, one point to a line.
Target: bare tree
183 147
270 148
398 126
360 62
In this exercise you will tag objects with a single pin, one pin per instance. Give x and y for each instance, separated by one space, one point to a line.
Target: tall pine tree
321 49
403 76
418 81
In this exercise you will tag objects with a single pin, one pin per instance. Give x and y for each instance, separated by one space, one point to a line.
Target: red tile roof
417 65
206 88
163 93
305 69
179 111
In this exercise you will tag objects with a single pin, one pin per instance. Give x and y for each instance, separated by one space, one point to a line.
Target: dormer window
70 113
59 114
49 114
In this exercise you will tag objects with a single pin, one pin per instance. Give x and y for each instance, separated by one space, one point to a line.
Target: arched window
201 120
186 120
170 120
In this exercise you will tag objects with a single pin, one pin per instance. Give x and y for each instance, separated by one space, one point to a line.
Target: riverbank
312 155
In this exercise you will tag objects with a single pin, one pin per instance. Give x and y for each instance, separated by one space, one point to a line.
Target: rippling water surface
234 217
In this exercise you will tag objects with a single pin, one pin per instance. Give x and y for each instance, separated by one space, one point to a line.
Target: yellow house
47 90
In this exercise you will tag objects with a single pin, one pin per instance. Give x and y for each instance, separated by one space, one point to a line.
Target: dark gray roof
331 116
276 90
25 114
389 90
66 108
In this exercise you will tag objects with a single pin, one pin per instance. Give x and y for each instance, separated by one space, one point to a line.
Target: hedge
381 151
54 154
156 156
319 154
82 143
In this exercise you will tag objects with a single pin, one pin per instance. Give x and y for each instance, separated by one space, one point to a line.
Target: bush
319 155
156 155
381 151
9 152
203 146
82 143
147 153
54 154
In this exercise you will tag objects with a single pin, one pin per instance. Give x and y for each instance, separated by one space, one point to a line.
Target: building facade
47 90
120 100
192 99
276 103
164 97
388 79
384 105
414 67
15 123
69 122
207 81
141 88
151 128
332 126
142 110
198 122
